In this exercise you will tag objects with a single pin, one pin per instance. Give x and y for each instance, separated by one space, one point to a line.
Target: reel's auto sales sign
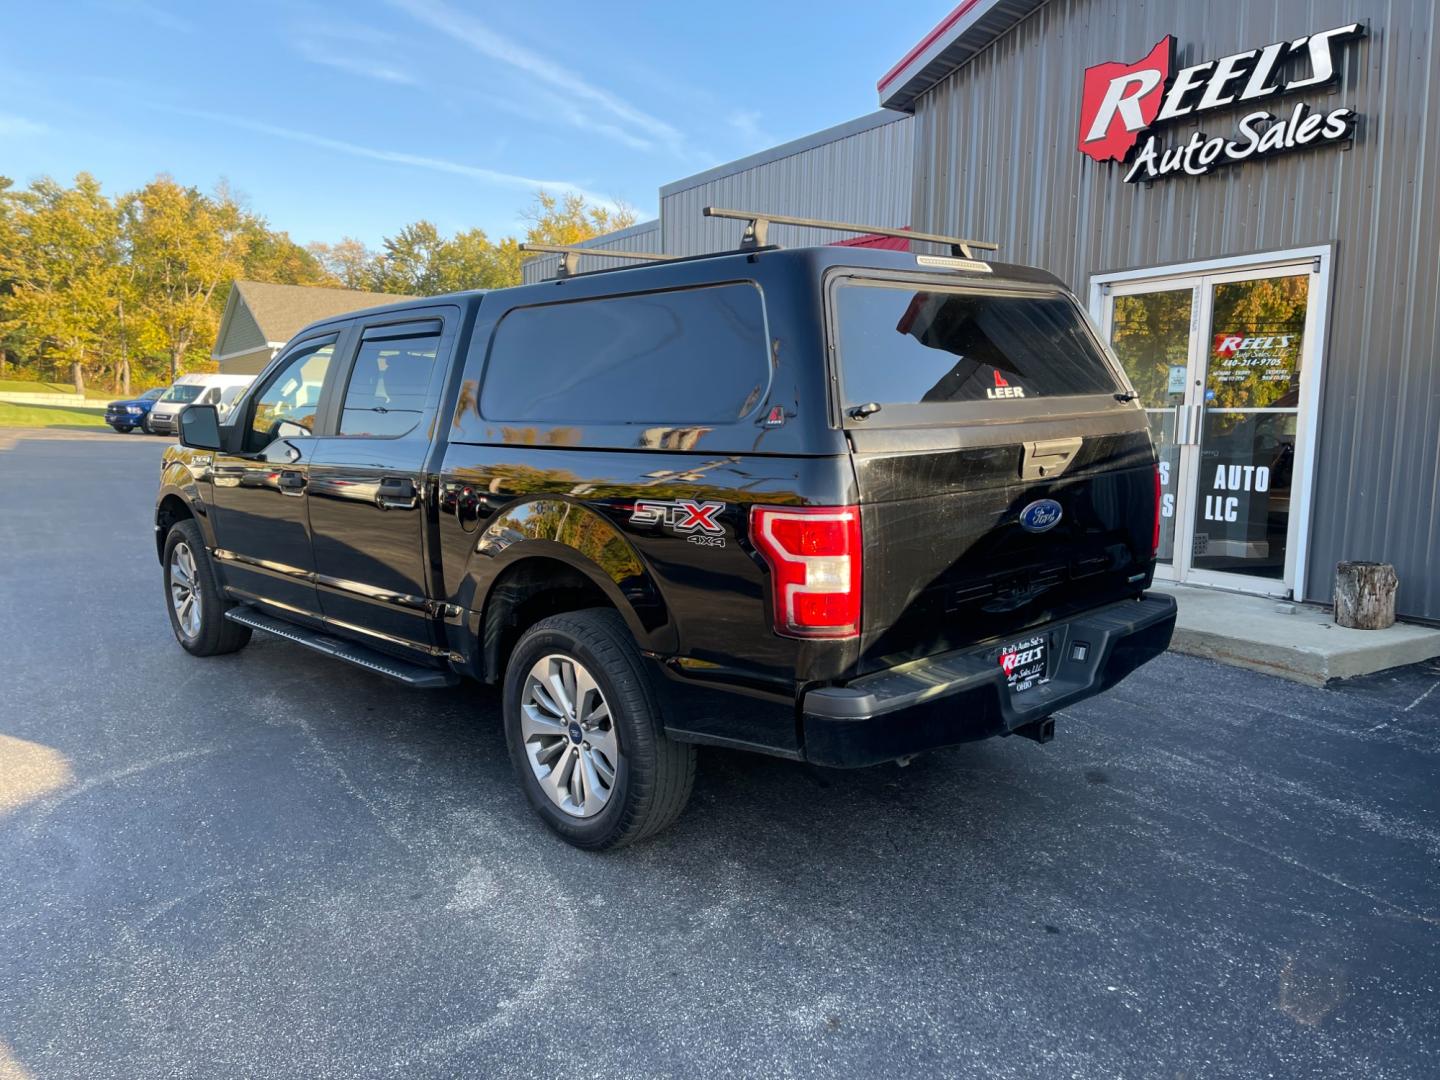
1122 103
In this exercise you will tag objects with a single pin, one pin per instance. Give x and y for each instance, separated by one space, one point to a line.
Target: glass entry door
1219 361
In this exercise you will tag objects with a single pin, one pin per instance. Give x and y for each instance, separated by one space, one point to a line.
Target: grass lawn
49 416
20 386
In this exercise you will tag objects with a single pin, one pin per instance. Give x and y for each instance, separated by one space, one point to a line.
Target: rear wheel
196 605
585 735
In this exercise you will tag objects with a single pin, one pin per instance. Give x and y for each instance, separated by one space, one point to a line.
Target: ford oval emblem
1040 515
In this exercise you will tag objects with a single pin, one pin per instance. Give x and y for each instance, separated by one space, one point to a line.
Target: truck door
259 494
369 510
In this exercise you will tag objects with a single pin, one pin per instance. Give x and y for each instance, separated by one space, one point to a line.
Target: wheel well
172 509
523 595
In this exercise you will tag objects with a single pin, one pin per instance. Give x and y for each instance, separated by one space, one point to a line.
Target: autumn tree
61 263
184 246
349 262
569 219
273 257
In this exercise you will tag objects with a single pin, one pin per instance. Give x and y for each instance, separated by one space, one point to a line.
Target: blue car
124 416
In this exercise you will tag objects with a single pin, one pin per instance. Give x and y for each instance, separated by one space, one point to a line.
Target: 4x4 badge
683 516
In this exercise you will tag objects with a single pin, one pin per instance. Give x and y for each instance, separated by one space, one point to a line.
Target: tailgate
1004 480
949 562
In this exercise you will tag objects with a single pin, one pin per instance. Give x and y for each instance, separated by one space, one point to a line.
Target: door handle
292 483
1188 419
396 493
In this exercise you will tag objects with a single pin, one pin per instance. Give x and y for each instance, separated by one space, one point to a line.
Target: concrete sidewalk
1293 641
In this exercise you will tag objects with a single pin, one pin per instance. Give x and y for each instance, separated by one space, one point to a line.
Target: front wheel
585 734
122 429
197 609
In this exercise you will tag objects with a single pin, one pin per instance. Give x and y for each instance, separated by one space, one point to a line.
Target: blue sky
355 118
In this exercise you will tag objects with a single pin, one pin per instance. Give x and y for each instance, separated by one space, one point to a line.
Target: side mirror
200 427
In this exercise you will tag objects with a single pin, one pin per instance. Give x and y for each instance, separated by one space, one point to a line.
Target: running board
413 675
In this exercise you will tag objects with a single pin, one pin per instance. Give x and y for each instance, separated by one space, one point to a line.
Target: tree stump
1365 595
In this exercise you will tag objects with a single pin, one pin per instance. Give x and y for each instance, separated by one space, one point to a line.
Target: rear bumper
962 696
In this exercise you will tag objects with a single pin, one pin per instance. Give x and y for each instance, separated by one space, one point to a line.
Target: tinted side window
934 346
389 385
292 395
688 356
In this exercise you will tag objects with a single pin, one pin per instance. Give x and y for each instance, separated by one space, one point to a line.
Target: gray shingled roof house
259 319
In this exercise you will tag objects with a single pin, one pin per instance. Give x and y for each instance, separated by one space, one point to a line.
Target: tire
201 627
652 775
122 430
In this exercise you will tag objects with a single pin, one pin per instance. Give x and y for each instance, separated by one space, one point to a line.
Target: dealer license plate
1024 663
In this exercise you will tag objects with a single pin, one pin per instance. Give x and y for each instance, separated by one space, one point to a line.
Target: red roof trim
925 42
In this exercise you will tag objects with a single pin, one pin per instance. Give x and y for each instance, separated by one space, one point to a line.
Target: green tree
405 264
273 257
468 260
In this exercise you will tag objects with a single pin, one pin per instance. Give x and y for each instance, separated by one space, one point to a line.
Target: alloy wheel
569 735
185 589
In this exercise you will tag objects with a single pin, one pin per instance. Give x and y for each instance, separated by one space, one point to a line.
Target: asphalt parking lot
274 864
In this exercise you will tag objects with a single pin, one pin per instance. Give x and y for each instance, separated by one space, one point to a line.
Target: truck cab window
291 396
389 386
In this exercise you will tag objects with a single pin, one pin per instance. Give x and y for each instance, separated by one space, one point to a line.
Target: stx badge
697 519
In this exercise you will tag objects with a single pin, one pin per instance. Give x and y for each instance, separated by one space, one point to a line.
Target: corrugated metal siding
865 178
644 236
996 159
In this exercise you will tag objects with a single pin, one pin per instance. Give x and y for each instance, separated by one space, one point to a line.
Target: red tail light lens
1155 546
814 557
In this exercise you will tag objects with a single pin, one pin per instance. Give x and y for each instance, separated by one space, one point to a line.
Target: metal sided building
856 171
1248 205
642 236
1249 201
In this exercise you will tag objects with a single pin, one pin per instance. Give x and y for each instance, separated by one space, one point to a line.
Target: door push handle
292 483
396 493
1188 419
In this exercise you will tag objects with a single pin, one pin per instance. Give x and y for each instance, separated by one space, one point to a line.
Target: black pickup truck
833 504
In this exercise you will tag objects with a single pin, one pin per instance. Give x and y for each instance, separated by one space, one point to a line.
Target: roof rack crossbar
757 230
570 255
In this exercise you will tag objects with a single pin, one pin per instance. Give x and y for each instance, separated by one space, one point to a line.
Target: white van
222 391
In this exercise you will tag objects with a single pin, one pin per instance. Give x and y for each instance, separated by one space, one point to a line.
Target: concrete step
1293 641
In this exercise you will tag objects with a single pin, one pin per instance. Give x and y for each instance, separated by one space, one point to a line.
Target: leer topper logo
1120 102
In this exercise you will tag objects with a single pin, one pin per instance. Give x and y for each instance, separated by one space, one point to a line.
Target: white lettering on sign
1222 508
1242 478
1122 101
1004 391
1122 98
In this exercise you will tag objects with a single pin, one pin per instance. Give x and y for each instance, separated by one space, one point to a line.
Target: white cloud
627 123
317 53
18 125
397 157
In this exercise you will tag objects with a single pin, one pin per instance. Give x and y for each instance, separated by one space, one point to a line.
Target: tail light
814 558
1155 545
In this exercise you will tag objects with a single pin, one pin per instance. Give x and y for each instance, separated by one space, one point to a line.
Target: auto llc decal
694 519
1121 104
